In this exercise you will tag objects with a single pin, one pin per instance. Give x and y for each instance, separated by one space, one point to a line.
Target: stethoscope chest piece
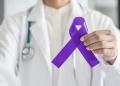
27 53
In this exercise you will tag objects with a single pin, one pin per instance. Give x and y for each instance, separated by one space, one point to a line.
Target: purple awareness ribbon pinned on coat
77 30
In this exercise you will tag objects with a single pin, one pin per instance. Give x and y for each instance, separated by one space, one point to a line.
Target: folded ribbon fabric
77 30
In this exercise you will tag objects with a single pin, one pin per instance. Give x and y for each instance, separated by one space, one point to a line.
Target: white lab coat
14 71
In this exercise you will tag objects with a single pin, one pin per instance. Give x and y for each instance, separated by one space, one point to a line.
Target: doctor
31 39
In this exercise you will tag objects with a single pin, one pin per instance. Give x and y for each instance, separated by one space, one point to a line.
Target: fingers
96 34
106 52
103 51
97 38
101 45
101 42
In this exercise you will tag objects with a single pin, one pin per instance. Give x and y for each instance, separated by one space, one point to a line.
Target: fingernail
82 39
87 48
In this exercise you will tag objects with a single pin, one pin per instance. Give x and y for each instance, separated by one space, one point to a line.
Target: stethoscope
28 51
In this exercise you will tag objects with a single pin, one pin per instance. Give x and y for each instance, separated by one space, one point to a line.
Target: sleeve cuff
114 68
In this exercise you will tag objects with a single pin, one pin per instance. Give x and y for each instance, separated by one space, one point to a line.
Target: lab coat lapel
40 32
41 37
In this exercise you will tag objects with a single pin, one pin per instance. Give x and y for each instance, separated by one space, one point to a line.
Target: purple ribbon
77 30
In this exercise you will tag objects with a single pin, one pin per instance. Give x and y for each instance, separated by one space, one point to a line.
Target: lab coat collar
83 3
78 9
36 13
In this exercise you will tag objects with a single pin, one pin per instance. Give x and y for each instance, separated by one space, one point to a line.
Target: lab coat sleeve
112 72
9 38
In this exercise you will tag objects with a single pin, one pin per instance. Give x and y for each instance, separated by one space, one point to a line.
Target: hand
102 42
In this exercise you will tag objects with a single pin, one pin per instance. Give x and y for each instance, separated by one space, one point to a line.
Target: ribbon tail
64 54
88 55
